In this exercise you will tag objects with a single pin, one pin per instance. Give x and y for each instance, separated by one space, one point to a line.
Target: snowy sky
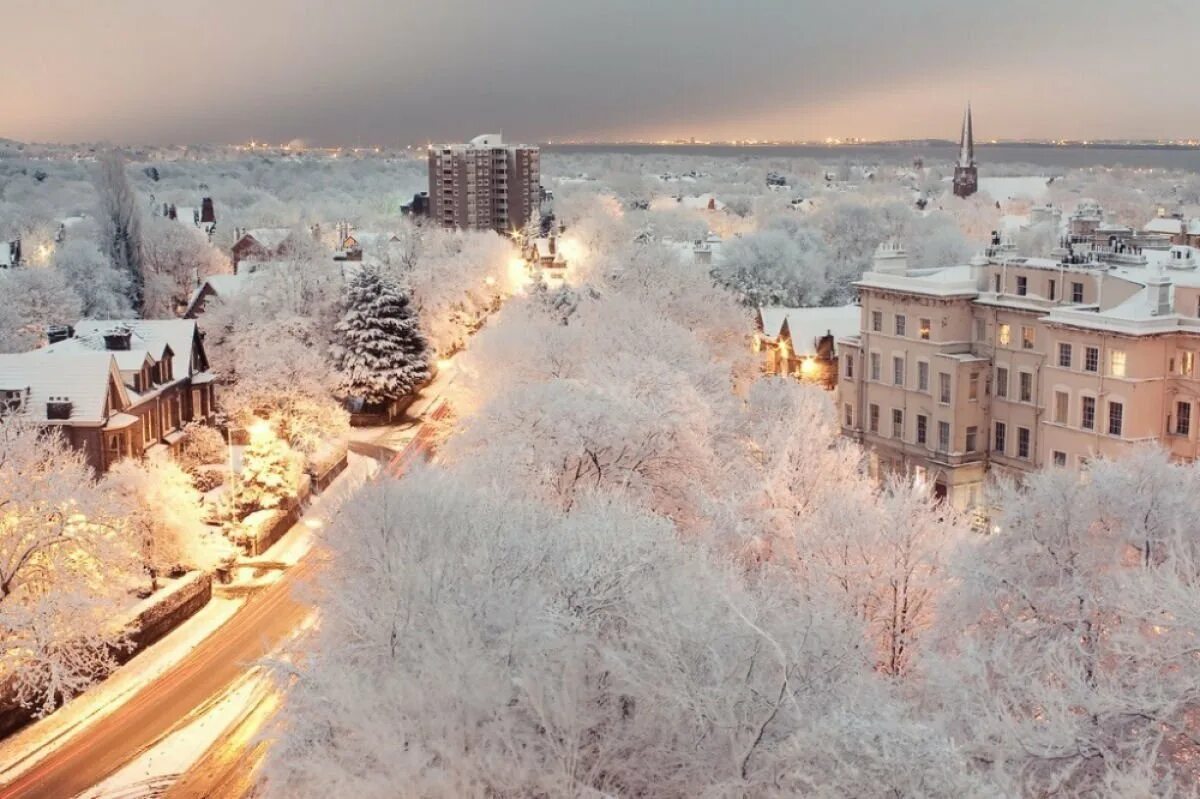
400 71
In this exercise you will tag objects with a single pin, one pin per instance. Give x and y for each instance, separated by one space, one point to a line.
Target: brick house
260 244
116 388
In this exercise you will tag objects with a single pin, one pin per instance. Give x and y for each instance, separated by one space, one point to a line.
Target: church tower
966 176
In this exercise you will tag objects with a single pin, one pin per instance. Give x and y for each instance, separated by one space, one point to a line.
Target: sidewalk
394 438
28 746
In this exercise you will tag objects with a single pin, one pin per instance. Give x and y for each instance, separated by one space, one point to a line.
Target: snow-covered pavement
53 748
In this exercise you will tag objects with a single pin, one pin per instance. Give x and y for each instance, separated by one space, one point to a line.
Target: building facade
114 389
484 185
1011 364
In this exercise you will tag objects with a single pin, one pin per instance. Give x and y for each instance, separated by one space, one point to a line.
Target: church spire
966 145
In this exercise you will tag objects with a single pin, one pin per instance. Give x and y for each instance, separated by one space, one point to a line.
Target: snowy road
209 670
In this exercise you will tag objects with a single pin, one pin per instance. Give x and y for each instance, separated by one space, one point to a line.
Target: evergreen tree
379 351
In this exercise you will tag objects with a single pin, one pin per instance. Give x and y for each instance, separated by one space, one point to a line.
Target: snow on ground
25 748
158 767
1005 190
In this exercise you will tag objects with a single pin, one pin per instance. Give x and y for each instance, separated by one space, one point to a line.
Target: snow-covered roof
220 286
81 378
270 237
951 281
488 140
808 325
149 337
1165 224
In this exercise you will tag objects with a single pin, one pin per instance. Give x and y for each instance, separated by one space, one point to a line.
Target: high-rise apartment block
484 184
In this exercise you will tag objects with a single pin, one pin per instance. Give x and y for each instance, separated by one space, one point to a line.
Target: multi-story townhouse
1009 364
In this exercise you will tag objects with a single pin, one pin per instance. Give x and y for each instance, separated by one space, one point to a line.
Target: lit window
1116 363
925 326
1027 334
1187 363
1004 336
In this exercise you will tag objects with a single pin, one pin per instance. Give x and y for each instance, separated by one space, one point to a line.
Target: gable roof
808 325
158 338
83 378
269 237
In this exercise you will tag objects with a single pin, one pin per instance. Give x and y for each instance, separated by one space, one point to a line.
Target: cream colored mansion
1011 363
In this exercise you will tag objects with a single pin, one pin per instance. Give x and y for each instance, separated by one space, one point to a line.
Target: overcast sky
386 72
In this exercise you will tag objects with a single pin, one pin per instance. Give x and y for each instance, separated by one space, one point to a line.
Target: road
206 672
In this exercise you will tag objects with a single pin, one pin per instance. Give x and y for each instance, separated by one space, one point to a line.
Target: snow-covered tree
270 474
65 556
852 231
473 643
176 258
119 212
772 268
1069 650
379 350
34 300
162 510
103 289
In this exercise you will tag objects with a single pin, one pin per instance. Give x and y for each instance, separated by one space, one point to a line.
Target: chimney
118 339
890 258
979 270
58 408
1158 290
